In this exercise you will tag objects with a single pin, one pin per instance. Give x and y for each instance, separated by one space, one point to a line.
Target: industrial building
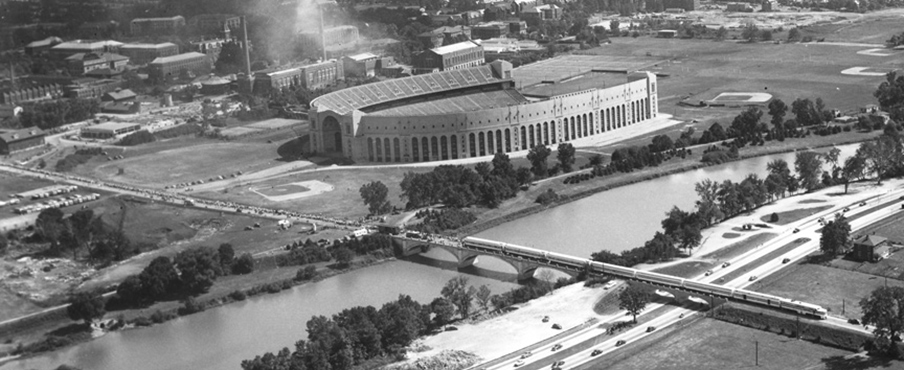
140 54
108 130
166 68
156 26
67 49
435 38
215 23
41 47
365 64
100 64
336 39
456 56
26 91
476 112
12 141
547 12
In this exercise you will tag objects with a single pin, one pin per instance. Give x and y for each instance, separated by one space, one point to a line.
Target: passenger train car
575 263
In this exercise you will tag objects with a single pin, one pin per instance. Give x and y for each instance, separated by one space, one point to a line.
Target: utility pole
842 306
757 356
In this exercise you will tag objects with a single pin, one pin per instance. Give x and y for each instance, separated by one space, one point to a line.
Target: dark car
796 230
726 264
596 352
557 347
620 343
651 328
854 321
786 260
557 326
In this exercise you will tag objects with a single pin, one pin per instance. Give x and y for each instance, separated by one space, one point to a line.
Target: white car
519 363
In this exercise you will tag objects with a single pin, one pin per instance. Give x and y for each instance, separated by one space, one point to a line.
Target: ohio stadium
479 111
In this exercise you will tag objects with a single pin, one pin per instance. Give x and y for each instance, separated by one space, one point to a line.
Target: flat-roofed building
336 38
108 130
490 30
17 140
144 53
546 12
68 48
156 26
40 47
456 56
87 63
435 38
27 91
365 64
170 67
215 23
311 76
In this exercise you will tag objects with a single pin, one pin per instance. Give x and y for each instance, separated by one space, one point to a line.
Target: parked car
558 364
854 321
596 352
620 343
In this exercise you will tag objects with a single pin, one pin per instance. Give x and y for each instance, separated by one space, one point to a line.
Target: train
579 264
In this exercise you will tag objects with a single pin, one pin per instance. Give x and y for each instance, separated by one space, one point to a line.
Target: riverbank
523 205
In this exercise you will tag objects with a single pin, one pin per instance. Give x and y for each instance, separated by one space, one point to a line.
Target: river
221 338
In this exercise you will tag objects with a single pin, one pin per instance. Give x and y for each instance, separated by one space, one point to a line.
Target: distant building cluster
444 58
156 26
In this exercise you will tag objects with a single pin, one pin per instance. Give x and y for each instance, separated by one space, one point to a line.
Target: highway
807 228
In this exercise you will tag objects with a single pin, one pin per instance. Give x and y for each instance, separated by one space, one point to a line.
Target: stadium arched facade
474 112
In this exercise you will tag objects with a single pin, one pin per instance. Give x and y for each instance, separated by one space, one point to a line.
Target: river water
221 338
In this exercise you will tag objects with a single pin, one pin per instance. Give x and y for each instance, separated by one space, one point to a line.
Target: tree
198 268
443 310
244 264
884 309
159 279
565 156
854 167
86 306
537 157
809 168
597 159
836 236
227 257
780 169
778 109
130 290
343 256
456 291
721 33
766 35
306 273
614 26
794 34
750 33
891 95
231 59
374 195
49 226
634 300
483 297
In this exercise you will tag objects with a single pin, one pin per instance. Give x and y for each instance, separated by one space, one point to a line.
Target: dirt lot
711 344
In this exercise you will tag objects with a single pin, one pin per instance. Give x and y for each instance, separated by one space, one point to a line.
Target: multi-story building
336 38
545 12
68 48
77 87
739 7
156 26
456 56
490 30
365 64
166 68
519 6
435 38
144 53
87 63
214 24
311 77
27 91
18 140
687 5
41 47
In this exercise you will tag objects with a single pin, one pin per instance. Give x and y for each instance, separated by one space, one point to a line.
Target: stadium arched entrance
332 135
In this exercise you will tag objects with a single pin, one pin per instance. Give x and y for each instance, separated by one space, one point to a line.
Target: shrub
190 305
237 295
159 317
547 197
136 138
306 273
773 217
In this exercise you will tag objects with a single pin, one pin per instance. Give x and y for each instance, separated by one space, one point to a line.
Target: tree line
82 232
50 114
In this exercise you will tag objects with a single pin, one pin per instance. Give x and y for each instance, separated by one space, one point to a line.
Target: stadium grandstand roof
464 45
575 84
465 103
358 97
175 58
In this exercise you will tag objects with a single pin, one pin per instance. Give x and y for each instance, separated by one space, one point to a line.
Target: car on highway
558 364
796 230
786 260
862 204
845 209
526 354
726 264
519 363
709 272
681 316
620 343
557 347
651 328
753 277
854 321
596 352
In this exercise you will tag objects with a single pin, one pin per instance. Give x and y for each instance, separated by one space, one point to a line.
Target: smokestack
322 37
12 75
246 48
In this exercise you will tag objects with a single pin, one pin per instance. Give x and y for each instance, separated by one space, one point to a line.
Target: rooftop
871 240
457 104
45 42
111 126
148 46
121 94
87 44
465 45
362 56
178 57
23 134
110 57
580 83
173 18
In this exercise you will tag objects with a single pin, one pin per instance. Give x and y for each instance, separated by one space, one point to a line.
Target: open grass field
759 261
788 217
891 267
12 184
740 247
715 345
686 269
891 228
835 289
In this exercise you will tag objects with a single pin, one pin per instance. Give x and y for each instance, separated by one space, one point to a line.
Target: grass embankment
792 326
708 261
788 217
714 345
